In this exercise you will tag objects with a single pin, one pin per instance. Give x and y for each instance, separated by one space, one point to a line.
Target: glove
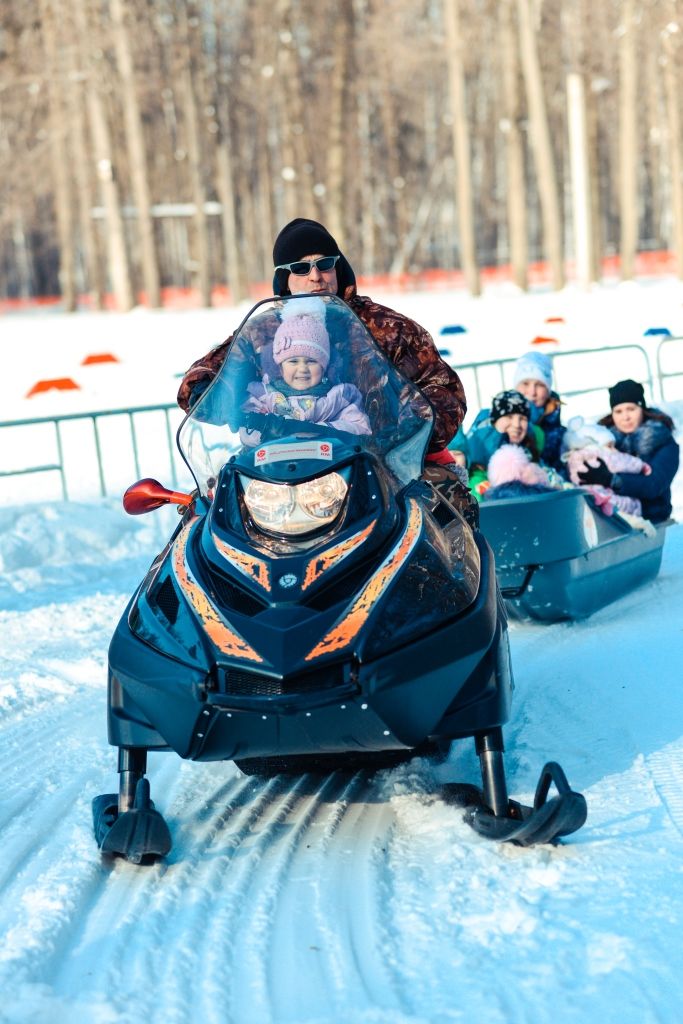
268 425
599 475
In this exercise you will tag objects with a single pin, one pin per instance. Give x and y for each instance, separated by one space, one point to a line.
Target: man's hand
599 475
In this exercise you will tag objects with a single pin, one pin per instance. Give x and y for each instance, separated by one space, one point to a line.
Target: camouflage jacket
409 347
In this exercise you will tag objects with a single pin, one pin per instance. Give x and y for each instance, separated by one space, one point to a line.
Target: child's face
534 391
514 425
301 372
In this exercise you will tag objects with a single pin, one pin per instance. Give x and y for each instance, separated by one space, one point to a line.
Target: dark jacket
483 440
409 347
547 417
654 443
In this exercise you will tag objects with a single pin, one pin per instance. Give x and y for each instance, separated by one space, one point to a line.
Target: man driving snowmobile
307 259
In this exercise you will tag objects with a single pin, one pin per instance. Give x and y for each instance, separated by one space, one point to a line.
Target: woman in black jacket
647 433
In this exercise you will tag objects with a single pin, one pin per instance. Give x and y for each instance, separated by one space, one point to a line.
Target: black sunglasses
303 267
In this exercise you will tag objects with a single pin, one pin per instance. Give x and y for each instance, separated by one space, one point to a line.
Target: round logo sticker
288 580
590 528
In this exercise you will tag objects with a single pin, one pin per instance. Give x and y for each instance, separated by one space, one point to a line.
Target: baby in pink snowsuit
301 351
586 442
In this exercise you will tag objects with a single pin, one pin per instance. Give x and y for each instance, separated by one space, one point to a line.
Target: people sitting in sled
507 423
533 378
307 259
512 474
583 444
646 432
297 386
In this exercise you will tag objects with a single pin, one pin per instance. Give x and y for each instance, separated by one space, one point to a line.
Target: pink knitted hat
302 332
511 462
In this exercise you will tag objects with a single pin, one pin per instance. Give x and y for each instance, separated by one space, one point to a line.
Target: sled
558 556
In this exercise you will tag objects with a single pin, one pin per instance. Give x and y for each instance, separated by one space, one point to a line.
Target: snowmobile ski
139 834
545 822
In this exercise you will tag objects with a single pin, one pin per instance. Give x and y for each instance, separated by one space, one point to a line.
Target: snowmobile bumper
452 682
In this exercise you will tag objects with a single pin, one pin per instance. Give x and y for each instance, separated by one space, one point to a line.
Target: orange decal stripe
254 568
321 563
348 627
218 631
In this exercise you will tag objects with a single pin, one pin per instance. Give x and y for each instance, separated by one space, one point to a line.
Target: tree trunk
83 172
541 145
578 154
515 187
190 103
297 165
461 145
336 145
413 237
366 190
118 265
22 259
51 17
673 112
226 192
628 131
136 154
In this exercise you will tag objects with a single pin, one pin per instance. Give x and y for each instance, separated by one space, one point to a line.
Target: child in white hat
533 378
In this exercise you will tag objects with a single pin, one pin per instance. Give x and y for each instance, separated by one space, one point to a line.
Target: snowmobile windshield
305 366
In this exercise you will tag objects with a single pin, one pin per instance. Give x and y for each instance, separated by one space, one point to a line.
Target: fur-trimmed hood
651 435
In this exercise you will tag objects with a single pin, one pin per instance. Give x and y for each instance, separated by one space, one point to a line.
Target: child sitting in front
583 443
513 474
302 391
507 422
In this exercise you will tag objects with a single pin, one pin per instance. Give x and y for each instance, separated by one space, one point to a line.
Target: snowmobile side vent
231 596
227 594
239 682
341 588
167 600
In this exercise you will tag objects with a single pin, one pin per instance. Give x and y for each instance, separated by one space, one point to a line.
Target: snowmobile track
666 769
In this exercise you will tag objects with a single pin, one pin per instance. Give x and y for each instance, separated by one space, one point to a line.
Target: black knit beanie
627 391
506 403
302 237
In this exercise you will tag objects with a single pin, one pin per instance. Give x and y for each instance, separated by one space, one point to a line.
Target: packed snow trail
347 898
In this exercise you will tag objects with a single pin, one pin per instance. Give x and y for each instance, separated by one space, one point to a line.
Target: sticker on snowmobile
283 452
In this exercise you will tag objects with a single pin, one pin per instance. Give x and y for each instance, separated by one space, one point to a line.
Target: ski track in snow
349 898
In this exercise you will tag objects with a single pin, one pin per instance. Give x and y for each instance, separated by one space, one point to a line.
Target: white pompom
310 305
575 423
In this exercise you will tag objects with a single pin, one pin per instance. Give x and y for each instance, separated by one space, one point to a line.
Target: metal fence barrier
95 420
655 382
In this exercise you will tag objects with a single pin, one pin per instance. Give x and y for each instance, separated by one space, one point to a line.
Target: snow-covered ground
337 900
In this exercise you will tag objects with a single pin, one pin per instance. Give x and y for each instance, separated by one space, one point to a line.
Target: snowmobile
319 607
560 556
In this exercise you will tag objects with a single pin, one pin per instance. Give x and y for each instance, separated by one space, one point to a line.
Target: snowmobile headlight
269 504
295 509
322 498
